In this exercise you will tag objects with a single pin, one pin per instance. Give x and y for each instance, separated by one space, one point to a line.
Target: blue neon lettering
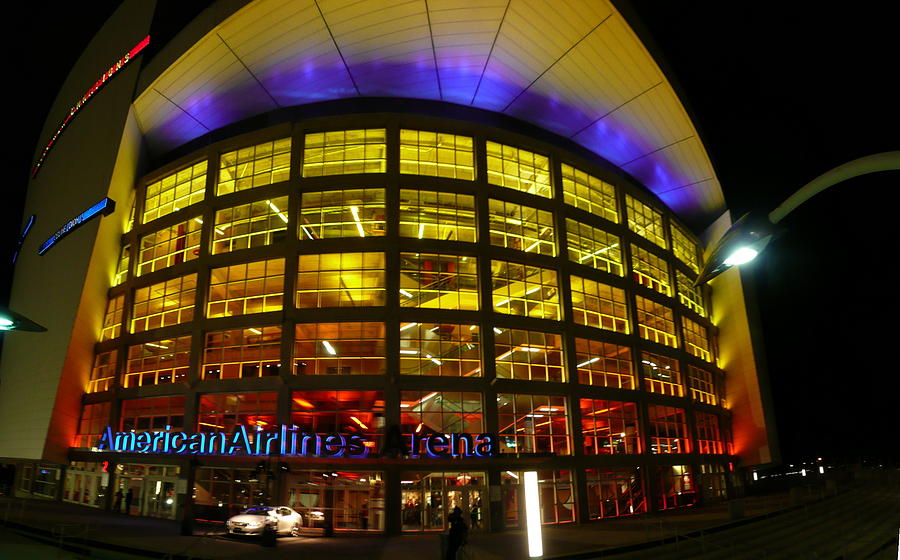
287 441
332 448
105 206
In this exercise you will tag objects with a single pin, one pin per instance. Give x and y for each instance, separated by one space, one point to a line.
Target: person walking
458 533
129 497
117 505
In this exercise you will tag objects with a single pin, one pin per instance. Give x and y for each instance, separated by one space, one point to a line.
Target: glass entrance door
159 499
429 498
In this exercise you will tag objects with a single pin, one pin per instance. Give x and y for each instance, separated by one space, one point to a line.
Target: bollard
796 496
269 536
736 509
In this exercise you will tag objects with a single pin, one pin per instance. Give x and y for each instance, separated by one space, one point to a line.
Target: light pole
749 235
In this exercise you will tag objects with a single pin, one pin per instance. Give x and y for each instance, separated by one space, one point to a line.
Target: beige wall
42 374
752 422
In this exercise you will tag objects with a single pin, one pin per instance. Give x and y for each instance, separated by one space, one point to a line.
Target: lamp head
743 241
12 321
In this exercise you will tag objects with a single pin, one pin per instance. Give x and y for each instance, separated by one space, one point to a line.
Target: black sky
780 93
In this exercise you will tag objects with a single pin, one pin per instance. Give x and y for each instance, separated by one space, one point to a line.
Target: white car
254 520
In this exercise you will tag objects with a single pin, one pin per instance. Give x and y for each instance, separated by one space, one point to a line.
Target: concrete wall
42 375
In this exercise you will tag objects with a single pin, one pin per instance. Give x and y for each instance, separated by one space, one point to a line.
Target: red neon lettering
84 99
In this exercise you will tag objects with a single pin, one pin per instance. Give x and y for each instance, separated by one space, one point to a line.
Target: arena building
374 260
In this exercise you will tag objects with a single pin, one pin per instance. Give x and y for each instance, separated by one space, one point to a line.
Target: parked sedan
253 521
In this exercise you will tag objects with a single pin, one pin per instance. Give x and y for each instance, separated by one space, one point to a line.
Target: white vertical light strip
533 515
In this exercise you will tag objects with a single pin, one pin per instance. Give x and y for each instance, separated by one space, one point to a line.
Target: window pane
615 491
594 247
519 289
655 322
530 355
437 154
104 372
589 193
649 270
254 166
521 227
447 350
163 304
685 248
599 305
255 287
175 191
609 427
170 246
339 349
343 152
645 221
518 169
533 424
340 280
257 224
438 281
696 339
662 375
342 213
668 430
161 361
112 320
437 215
242 353
604 364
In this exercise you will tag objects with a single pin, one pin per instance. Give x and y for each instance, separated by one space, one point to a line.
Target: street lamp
12 321
748 236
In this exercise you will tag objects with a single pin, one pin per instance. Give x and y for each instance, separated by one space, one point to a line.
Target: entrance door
159 499
428 501
467 499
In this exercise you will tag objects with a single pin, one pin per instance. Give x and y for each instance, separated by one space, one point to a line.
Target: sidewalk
119 536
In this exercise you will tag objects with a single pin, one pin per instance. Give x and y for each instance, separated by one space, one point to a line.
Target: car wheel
295 530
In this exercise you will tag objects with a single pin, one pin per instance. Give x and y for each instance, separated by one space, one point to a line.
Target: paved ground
129 538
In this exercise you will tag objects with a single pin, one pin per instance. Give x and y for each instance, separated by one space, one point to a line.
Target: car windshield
257 511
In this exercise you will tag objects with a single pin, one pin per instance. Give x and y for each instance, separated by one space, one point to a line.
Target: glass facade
529 299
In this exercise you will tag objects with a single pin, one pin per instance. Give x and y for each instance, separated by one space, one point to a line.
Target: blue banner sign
288 441
105 207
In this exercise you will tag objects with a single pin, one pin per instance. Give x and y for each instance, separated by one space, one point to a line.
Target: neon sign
287 441
106 76
105 207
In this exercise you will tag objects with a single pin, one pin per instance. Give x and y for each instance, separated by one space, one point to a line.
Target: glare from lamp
740 256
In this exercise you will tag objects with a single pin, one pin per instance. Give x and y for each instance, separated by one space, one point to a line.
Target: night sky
780 93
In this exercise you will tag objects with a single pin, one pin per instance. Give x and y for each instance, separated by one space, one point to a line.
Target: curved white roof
573 67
